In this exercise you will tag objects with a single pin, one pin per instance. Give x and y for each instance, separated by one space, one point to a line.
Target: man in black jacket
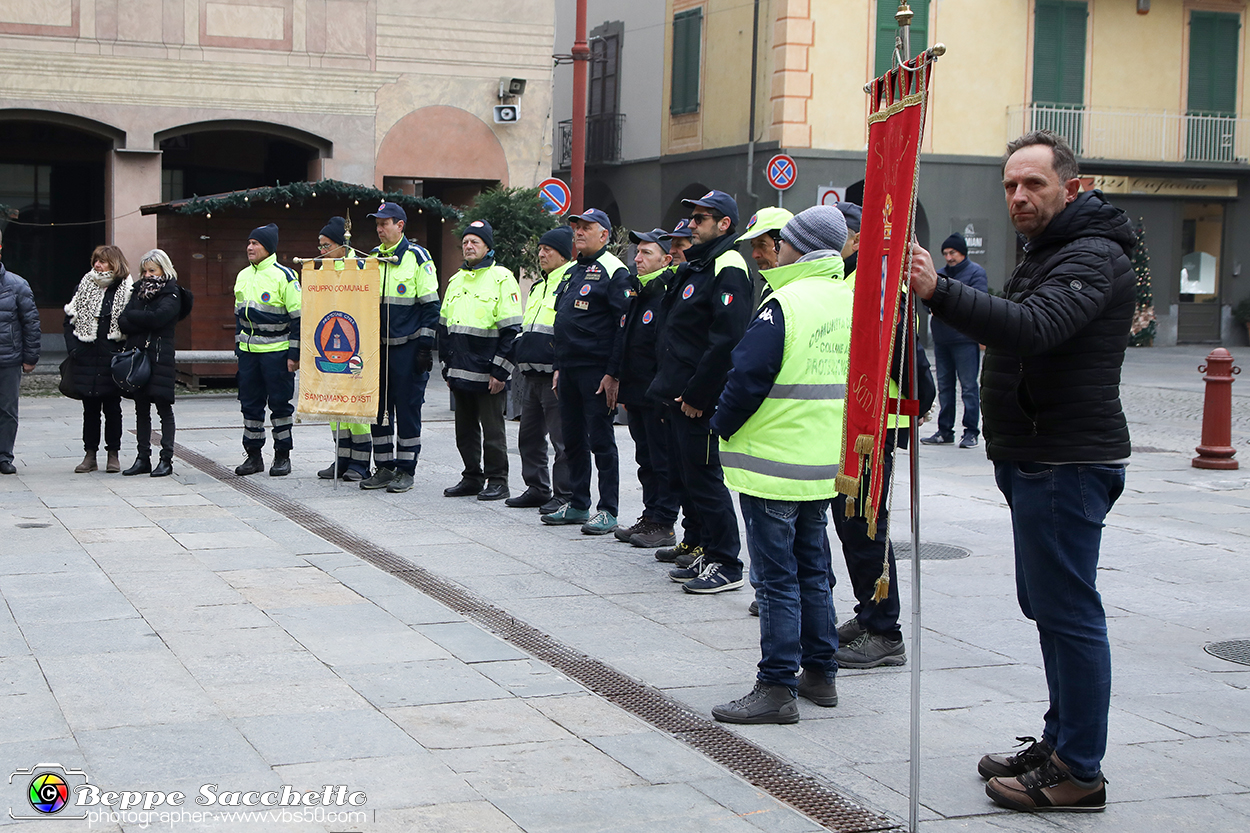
705 312
19 352
1053 427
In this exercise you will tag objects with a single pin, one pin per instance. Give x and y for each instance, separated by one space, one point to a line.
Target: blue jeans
789 551
960 360
1057 517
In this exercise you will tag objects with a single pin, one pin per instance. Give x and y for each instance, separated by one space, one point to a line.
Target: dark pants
355 446
703 489
399 409
10 392
111 406
790 572
540 418
264 379
588 429
1057 515
961 361
143 426
864 557
480 436
659 502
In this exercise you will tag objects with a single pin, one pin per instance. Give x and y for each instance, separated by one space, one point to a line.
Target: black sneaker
939 439
968 441
753 609
871 650
400 483
623 533
765 704
328 472
550 507
850 630
1008 765
380 479
715 578
653 535
668 555
1048 788
819 689
687 558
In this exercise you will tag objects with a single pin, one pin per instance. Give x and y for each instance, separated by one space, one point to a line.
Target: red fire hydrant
1216 451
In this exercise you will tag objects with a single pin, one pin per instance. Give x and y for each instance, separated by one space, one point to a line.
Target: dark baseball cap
682 229
657 235
718 200
853 214
592 215
390 210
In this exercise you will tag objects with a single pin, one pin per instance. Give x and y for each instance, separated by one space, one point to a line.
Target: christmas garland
299 193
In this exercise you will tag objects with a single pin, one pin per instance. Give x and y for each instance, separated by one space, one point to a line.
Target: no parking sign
555 195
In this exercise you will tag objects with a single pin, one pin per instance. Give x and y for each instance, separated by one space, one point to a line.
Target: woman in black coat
92 337
148 321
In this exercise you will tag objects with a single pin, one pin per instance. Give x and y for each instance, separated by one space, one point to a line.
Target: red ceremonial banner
895 128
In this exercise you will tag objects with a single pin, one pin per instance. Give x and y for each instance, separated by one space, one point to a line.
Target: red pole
581 63
1216 451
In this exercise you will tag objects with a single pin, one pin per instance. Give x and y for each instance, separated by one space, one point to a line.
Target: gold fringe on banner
864 444
846 485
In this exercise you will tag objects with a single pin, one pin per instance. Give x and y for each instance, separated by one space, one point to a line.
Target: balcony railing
1138 135
603 139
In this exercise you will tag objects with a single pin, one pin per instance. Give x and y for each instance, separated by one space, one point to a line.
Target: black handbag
132 368
66 385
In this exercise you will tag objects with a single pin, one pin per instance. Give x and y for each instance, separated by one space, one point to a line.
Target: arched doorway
52 193
214 157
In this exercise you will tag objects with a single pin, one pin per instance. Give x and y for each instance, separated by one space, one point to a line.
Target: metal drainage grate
930 551
760 767
1233 650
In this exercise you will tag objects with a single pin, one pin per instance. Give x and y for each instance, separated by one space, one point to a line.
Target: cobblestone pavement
164 634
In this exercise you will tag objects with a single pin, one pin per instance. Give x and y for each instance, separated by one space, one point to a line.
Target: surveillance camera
511 87
507 113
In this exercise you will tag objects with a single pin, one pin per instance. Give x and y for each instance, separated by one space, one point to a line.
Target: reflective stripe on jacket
266 308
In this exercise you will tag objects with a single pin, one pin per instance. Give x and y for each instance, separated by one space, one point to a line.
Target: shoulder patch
766 315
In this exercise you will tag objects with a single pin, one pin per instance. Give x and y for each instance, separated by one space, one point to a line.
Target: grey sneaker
401 482
1008 765
765 704
715 578
566 514
850 630
623 533
380 479
821 690
871 650
653 535
601 524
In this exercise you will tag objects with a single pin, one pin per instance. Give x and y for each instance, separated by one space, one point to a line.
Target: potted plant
1241 314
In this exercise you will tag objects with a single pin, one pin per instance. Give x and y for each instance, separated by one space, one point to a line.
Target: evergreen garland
517 217
1144 324
298 193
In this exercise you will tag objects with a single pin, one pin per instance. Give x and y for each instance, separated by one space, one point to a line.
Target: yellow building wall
1137 61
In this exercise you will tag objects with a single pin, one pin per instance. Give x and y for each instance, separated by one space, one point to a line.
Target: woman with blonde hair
92 337
156 305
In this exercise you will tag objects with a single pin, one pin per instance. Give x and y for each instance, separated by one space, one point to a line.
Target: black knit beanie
335 230
266 236
560 239
956 241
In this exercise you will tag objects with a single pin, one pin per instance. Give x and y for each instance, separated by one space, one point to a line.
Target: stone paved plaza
164 634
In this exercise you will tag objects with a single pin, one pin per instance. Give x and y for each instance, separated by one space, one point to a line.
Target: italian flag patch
726 298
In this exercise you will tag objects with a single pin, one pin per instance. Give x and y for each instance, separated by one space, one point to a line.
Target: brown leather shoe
114 463
1048 789
88 464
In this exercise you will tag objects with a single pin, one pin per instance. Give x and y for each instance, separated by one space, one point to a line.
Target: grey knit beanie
819 227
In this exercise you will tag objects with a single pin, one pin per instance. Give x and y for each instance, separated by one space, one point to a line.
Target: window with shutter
887 30
1059 68
687 39
1211 109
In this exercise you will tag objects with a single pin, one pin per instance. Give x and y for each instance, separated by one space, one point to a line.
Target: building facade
1151 94
109 105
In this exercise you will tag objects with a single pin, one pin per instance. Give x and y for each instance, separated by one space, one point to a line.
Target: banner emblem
338 343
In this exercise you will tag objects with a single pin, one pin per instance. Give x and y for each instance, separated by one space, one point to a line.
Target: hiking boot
143 465
88 464
1048 788
938 439
653 535
380 479
281 464
114 464
623 533
681 575
850 630
687 558
819 689
550 506
713 579
601 524
1007 765
328 473
968 441
870 650
765 704
566 514
531 498
669 555
465 488
401 482
252 465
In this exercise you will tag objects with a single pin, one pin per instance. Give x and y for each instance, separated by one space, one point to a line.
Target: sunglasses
697 219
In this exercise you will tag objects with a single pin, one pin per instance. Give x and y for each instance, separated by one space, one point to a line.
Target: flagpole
904 16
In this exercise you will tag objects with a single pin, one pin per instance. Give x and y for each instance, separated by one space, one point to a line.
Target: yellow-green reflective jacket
266 308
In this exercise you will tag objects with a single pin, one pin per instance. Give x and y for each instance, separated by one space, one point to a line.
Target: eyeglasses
697 219
324 247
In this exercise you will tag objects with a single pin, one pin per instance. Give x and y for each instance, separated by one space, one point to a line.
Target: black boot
253 464
281 464
142 465
165 467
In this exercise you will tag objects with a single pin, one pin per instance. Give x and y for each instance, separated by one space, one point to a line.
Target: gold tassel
863 444
871 514
850 507
846 485
882 587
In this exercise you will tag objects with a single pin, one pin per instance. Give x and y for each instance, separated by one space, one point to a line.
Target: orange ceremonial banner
339 352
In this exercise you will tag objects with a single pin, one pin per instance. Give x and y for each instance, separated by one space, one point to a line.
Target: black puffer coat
152 323
1050 387
93 377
